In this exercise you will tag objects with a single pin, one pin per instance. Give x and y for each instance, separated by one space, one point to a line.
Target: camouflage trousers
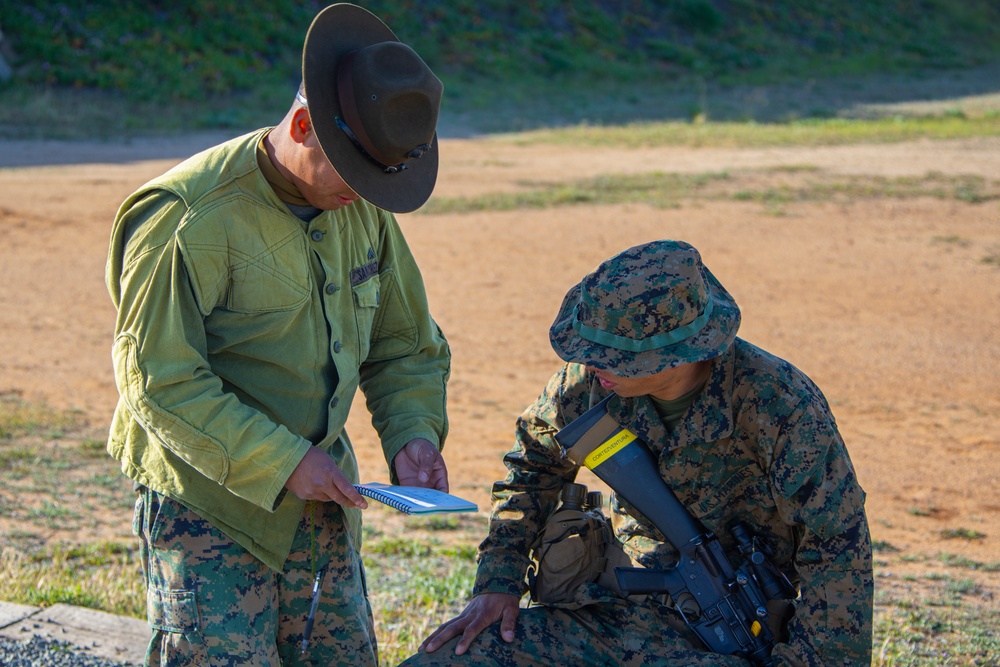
605 634
211 603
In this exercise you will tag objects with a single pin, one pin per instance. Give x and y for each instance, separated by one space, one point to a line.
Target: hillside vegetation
220 62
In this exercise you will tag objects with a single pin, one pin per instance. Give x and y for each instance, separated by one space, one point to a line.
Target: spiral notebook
415 499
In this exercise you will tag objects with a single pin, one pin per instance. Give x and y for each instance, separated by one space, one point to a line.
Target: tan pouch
576 546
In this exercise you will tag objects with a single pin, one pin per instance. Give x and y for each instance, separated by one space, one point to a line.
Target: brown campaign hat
374 104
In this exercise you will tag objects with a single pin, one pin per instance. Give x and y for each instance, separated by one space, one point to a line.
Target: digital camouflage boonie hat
648 308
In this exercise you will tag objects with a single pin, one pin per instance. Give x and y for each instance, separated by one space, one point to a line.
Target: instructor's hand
483 611
420 463
317 477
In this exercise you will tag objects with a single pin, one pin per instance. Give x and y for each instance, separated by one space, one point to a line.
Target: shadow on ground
967 91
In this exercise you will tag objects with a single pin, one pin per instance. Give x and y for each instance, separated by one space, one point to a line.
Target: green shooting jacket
243 334
758 445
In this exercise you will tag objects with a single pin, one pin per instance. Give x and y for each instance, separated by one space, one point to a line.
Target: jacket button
317 235
331 288
334 402
337 346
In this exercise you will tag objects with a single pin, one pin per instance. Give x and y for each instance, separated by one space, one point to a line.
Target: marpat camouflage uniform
759 445
215 604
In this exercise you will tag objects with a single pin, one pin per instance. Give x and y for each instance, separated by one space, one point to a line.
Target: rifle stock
725 606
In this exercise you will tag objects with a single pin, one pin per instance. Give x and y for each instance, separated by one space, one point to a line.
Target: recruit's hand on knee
484 610
318 477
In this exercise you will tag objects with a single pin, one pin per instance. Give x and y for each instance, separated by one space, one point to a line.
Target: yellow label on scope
607 448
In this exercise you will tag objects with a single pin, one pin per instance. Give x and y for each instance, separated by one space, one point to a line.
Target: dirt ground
891 305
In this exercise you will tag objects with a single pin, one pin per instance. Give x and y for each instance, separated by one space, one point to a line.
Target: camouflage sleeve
537 472
817 491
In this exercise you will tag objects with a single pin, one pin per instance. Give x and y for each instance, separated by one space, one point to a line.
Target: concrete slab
11 613
94 632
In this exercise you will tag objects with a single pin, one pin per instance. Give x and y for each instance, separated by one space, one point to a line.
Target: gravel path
41 652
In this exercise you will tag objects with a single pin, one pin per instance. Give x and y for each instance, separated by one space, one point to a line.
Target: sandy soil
888 304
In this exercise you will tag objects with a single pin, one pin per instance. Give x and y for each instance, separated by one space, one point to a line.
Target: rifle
727 607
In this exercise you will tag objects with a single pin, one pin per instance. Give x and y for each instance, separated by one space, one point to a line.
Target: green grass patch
963 587
882 546
176 51
39 112
56 478
20 418
953 560
54 515
15 460
962 534
411 590
925 636
809 132
774 189
103 576
656 189
952 240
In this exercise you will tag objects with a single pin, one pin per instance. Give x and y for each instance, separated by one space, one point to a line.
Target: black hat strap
351 124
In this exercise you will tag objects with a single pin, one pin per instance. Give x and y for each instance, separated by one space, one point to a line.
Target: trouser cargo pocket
172 611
